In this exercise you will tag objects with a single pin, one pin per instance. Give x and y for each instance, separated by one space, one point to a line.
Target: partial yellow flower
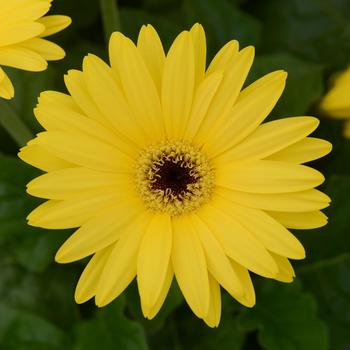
336 103
22 29
166 169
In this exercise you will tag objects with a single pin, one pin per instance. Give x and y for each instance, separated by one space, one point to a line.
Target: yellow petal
6 88
336 102
264 176
202 99
153 260
87 284
62 119
85 151
238 243
110 100
218 263
114 49
301 221
41 158
346 131
140 90
190 266
99 232
221 107
46 49
268 231
67 183
303 151
212 319
57 100
200 51
151 50
270 138
120 268
248 298
252 106
15 11
72 212
54 24
22 58
178 85
284 202
224 58
163 293
17 32
77 88
66 118
285 269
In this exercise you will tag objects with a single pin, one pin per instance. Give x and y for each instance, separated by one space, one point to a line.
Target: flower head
166 169
336 103
22 29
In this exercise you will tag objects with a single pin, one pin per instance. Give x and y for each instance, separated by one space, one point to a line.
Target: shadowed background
311 40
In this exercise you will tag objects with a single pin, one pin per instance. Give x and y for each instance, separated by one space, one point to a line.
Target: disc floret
174 177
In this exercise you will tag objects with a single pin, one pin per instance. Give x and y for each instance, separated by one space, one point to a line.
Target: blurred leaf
286 318
304 83
326 271
35 248
26 331
314 29
223 21
331 286
28 87
194 334
37 251
110 329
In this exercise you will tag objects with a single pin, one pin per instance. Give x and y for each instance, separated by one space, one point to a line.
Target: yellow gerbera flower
164 167
336 103
22 27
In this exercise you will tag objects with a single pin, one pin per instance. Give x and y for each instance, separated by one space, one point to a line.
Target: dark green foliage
308 38
286 318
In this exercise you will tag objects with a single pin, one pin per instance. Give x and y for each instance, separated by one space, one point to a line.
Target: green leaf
304 83
223 21
286 318
326 271
313 29
194 334
30 332
330 284
110 329
34 247
28 86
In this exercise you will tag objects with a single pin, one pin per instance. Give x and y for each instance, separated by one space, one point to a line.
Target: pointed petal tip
79 298
298 254
101 301
60 258
211 324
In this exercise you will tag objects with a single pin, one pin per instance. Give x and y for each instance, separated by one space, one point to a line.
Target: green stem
110 17
324 263
11 122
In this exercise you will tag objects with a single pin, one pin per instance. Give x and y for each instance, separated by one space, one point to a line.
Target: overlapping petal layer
22 25
91 148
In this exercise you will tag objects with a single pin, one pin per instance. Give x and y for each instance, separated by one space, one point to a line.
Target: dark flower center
174 177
